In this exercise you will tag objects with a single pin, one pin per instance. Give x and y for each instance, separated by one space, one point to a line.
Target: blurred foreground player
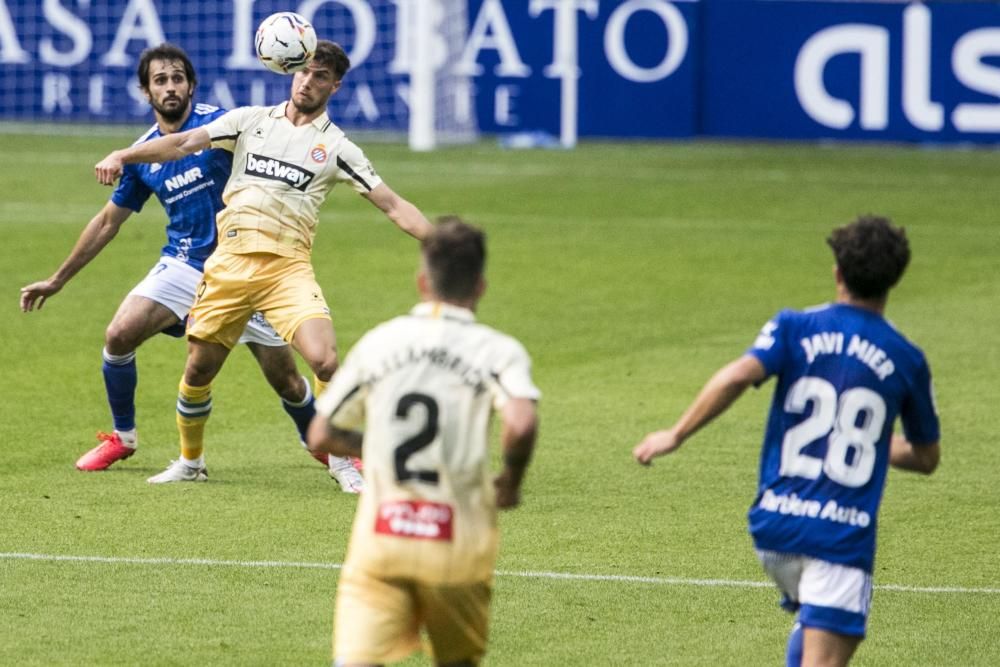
423 386
843 376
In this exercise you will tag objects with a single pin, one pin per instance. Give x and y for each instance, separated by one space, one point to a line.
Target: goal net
74 61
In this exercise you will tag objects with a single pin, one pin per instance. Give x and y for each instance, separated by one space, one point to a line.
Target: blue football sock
120 380
793 657
301 413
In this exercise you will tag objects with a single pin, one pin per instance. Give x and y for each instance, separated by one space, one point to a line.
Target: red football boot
110 450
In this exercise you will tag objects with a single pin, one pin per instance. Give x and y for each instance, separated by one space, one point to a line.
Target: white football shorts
172 284
828 596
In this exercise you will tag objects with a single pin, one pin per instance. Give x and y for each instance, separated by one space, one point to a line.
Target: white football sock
128 438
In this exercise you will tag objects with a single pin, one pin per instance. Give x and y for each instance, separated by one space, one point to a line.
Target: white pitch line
170 561
661 581
634 579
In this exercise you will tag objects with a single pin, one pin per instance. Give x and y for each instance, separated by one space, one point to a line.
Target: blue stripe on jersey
843 376
190 190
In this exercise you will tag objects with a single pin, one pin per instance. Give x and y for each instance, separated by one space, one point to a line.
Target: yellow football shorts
379 621
235 286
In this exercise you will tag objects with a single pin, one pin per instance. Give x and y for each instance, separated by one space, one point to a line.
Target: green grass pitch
630 272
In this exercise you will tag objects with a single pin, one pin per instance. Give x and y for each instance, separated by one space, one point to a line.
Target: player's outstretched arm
406 216
163 149
721 391
98 233
906 456
518 432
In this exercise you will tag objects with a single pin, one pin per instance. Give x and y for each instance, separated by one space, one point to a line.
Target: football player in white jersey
423 387
286 159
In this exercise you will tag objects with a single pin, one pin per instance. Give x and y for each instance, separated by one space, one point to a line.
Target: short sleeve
224 130
355 169
512 377
918 412
343 402
131 192
770 346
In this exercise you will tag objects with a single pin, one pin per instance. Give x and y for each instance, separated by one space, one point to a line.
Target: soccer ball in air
285 42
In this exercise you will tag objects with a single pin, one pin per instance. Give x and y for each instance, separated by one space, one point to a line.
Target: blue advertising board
637 63
633 62
76 61
797 69
852 70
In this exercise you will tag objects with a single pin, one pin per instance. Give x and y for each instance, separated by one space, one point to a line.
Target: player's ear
480 287
424 285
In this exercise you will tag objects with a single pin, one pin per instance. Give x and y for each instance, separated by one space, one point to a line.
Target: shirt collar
321 122
439 309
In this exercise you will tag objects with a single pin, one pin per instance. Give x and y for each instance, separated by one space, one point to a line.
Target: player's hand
34 295
109 169
507 494
656 444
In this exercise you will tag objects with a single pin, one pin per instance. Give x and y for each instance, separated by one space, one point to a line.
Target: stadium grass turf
630 271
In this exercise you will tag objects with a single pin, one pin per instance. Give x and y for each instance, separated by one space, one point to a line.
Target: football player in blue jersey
190 191
844 374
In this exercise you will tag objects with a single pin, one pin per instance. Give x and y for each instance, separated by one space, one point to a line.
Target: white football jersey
423 388
281 175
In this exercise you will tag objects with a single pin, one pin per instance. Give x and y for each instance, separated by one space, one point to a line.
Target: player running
423 387
190 191
843 376
286 159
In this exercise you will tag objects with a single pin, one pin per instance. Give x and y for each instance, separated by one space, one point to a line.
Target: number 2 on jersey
419 440
854 423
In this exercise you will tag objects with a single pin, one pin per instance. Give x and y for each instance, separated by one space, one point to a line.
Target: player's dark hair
455 254
166 52
333 56
872 254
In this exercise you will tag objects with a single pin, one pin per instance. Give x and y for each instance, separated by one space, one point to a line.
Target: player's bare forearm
905 456
412 221
163 149
98 233
403 214
95 236
167 148
720 392
518 433
323 438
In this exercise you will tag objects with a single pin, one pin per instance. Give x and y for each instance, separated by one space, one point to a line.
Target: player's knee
325 366
120 339
200 370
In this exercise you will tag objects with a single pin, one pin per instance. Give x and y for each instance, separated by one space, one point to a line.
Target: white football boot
343 470
178 471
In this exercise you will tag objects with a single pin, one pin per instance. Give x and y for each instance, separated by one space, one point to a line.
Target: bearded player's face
169 90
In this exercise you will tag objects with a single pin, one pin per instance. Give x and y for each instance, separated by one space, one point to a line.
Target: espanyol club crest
318 153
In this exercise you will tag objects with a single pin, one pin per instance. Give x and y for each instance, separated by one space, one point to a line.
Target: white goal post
440 101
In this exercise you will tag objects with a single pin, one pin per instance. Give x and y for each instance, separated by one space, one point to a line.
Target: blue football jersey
843 376
190 190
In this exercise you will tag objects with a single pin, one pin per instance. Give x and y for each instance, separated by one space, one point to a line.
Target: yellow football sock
318 386
194 405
